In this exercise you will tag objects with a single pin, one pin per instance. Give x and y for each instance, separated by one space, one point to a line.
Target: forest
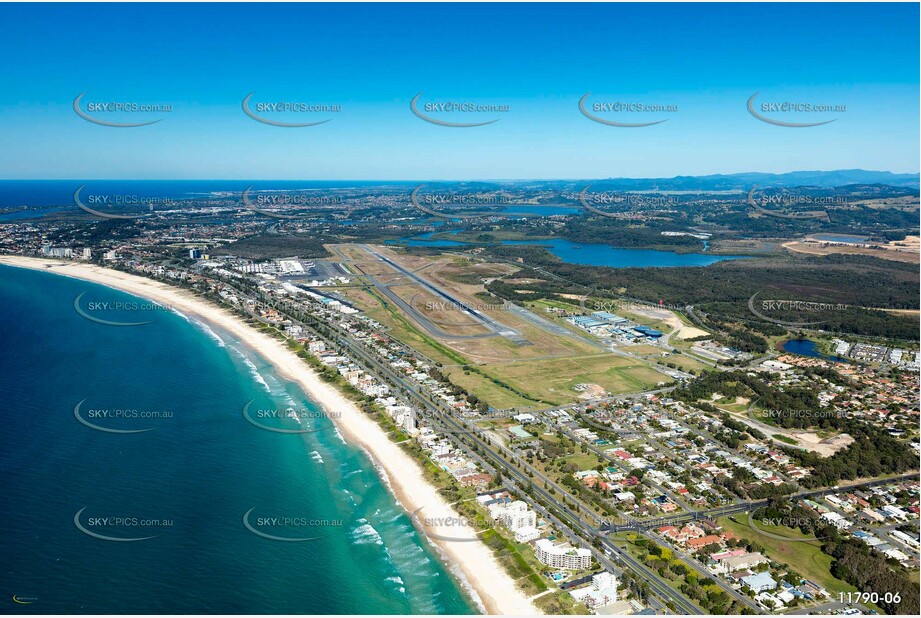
723 290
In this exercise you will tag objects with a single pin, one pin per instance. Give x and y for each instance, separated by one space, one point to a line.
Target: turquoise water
188 482
592 254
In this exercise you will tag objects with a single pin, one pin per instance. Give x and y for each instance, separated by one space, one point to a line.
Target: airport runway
495 328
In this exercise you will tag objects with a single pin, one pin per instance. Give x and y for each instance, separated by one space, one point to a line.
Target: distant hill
744 181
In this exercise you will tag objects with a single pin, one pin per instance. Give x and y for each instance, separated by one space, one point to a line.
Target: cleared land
554 379
908 250
539 366
825 446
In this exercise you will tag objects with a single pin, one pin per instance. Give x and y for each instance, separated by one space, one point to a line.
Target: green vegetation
553 379
721 292
793 407
269 246
873 453
802 551
816 550
871 572
678 575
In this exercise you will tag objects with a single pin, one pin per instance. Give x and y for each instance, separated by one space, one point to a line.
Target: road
569 522
743 507
521 480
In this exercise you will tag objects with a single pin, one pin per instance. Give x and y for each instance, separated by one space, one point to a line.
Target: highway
744 507
569 522
586 532
520 479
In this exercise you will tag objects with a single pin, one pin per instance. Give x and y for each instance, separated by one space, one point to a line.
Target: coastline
495 589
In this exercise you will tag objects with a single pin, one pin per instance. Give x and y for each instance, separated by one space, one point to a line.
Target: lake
806 347
591 254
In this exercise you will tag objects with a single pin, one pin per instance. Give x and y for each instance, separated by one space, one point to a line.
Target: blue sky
539 60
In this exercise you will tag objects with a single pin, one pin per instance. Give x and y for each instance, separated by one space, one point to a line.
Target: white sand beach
480 569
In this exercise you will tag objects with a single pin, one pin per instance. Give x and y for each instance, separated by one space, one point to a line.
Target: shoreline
401 474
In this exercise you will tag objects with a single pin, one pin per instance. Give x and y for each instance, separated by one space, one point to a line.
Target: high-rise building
409 421
605 581
562 556
515 515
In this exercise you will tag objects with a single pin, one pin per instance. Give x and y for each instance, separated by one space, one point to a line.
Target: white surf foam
365 534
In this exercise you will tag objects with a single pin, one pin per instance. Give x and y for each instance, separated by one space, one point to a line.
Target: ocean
176 516
59 194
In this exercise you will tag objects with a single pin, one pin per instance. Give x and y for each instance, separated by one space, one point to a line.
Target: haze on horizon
371 61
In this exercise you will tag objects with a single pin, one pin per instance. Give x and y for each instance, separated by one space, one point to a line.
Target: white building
894 511
603 591
60 252
841 347
732 563
605 581
409 422
908 540
836 520
514 516
526 534
896 554
760 582
562 556
776 365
